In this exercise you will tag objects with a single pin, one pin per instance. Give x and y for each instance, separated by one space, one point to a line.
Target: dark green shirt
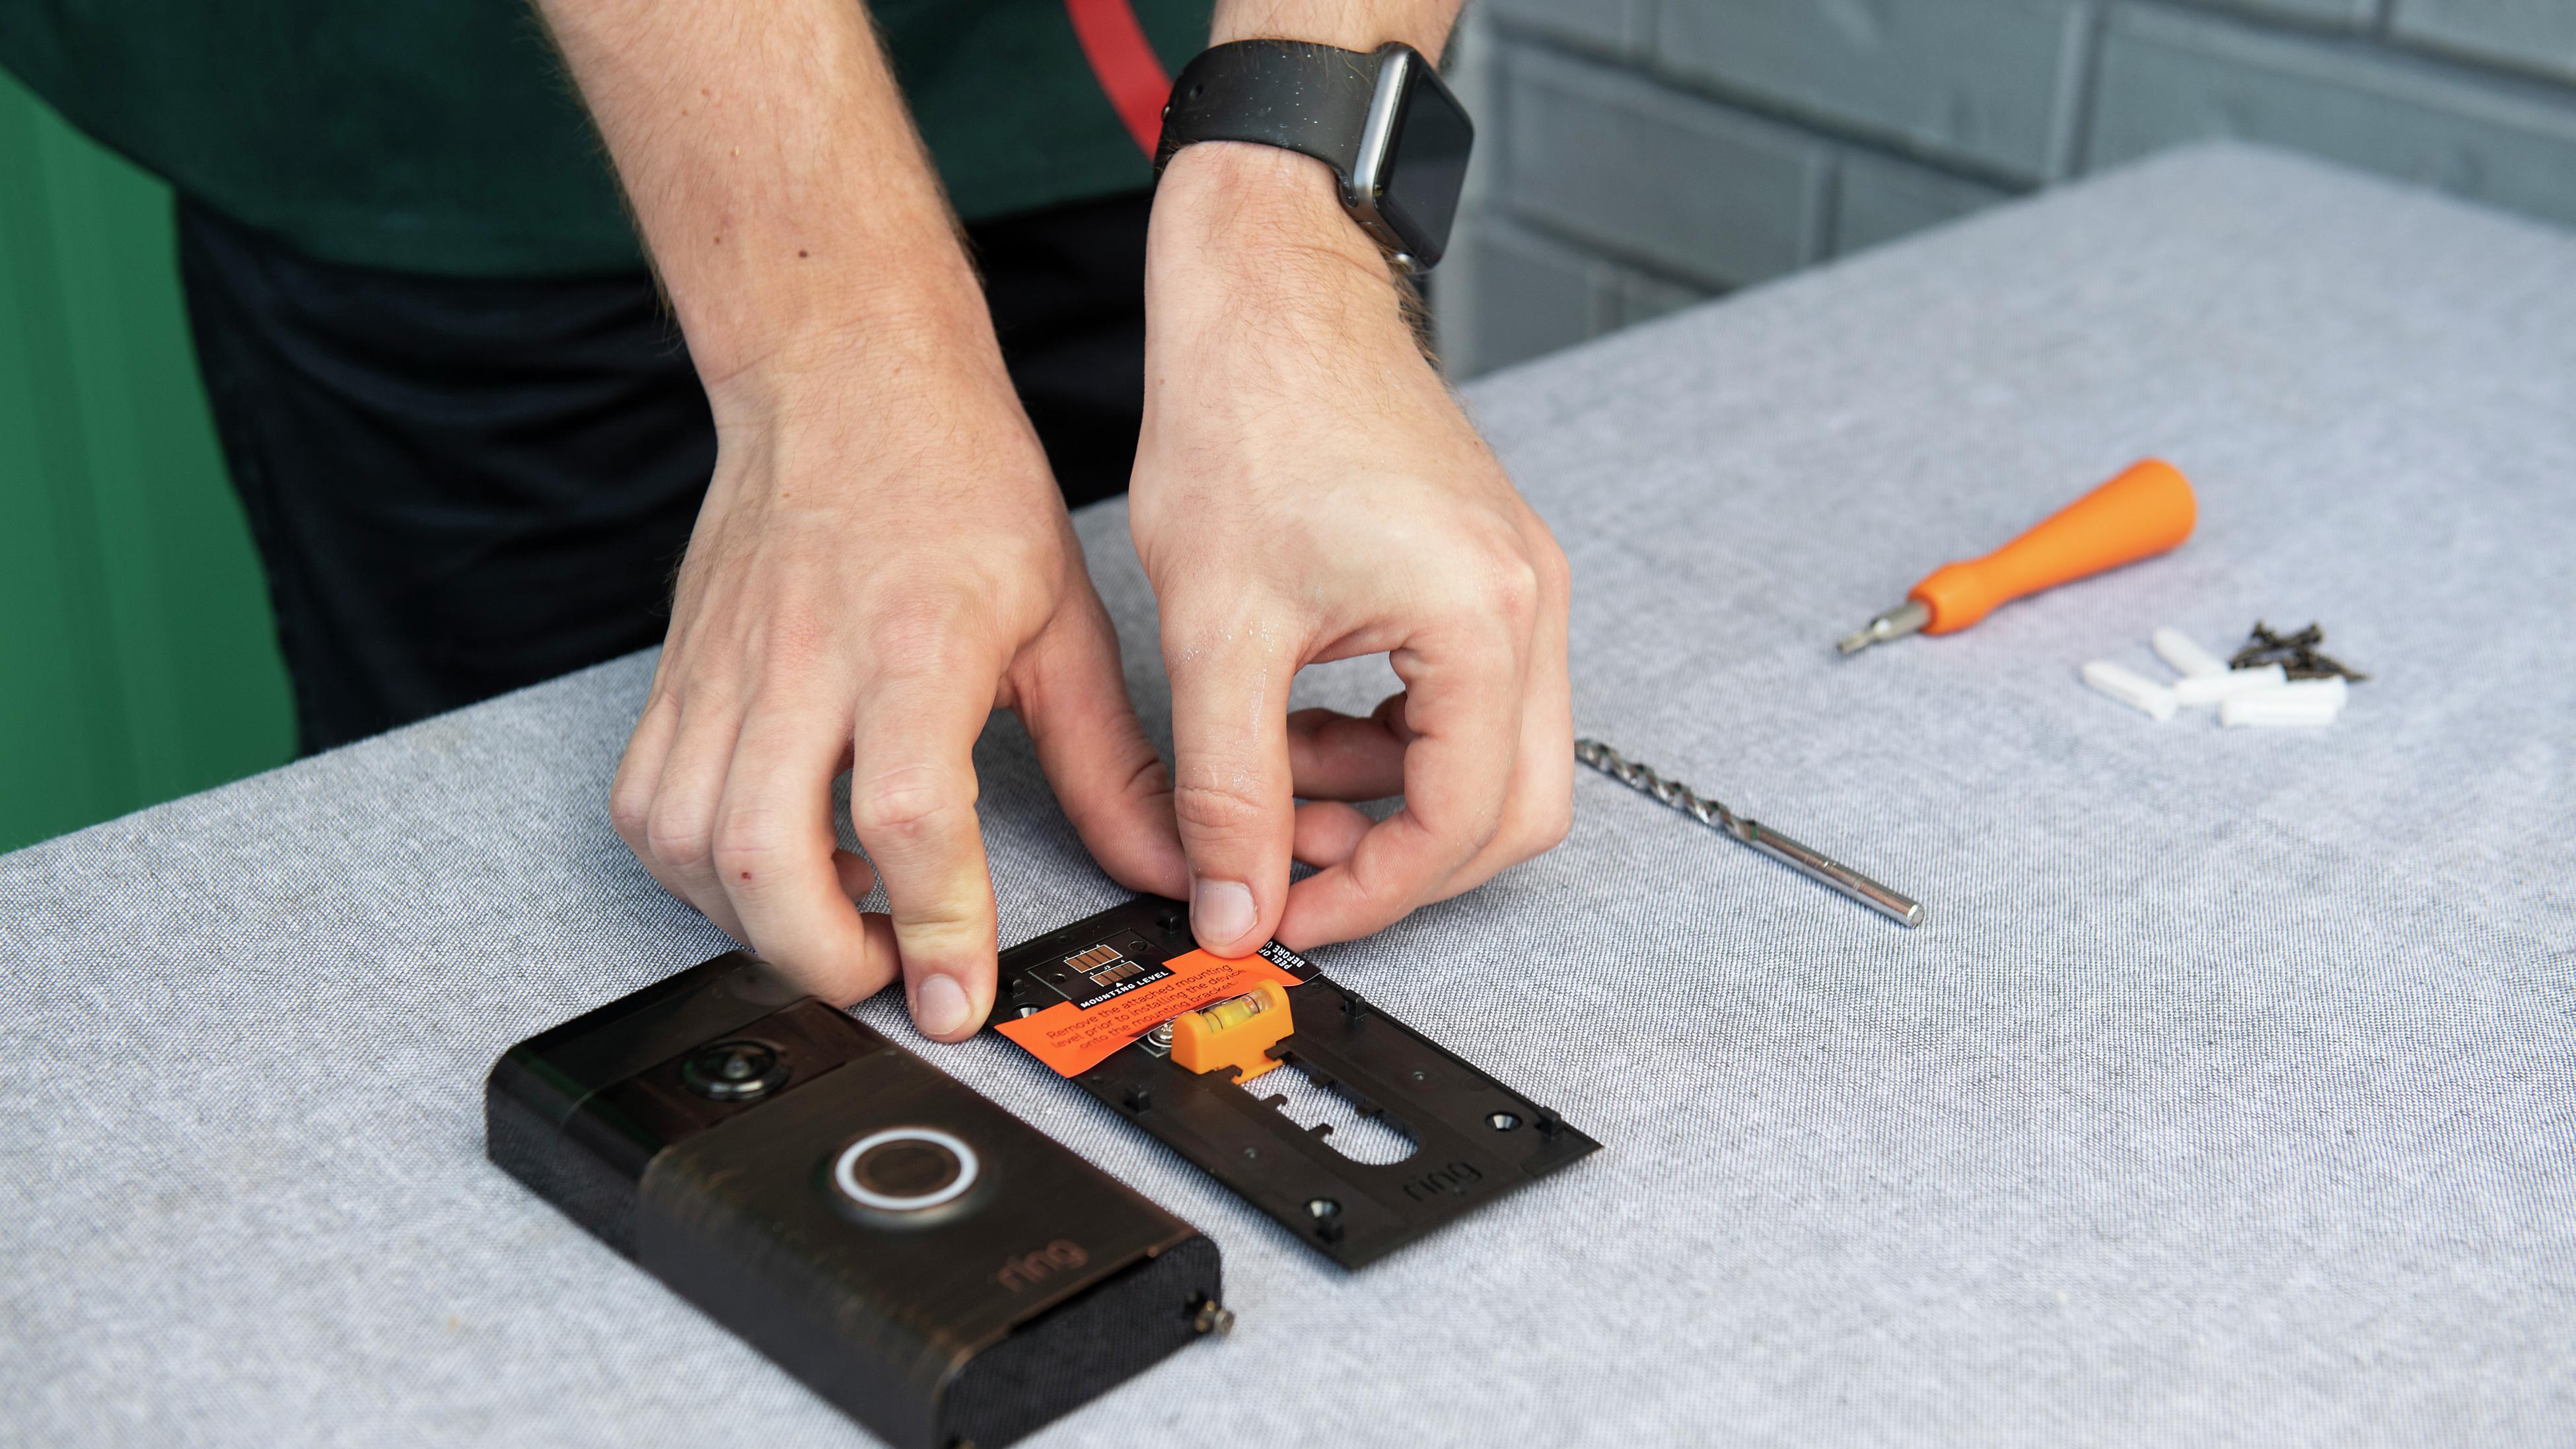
443 135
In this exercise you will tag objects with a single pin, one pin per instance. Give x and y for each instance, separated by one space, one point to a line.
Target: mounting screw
1213 1317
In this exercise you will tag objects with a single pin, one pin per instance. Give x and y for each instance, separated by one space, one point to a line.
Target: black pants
461 486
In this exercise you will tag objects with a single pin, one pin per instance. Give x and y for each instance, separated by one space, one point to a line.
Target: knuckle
746 841
1220 808
923 634
1386 894
678 839
796 638
905 802
1198 642
1555 572
708 680
1547 830
1513 590
946 928
1149 780
630 810
943 932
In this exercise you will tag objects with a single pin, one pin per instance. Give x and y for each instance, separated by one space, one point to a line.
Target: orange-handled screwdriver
2143 512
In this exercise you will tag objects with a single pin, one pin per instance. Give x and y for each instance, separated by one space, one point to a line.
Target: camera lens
734 1071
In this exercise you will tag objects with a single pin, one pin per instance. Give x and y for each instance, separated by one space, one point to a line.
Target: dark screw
1328 1218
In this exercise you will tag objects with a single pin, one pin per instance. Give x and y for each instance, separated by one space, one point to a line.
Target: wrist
769 319
885 355
1251 234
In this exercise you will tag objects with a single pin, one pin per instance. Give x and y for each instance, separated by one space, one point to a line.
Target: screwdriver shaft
1896 623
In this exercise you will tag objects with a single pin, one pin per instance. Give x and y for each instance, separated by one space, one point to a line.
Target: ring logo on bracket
1030 1269
1455 1179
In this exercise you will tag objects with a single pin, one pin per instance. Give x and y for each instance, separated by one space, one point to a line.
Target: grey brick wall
1638 155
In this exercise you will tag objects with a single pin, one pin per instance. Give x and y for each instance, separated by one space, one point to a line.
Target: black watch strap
1312 99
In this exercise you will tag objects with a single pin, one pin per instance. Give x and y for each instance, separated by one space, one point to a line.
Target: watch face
1426 164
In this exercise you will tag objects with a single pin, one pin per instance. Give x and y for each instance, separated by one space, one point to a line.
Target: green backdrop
137 657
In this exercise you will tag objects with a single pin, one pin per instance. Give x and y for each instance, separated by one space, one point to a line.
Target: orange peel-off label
1073 1039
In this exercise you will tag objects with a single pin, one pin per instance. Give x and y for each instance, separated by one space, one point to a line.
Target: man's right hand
882 561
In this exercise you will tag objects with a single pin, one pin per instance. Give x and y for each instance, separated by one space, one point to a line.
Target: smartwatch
1395 137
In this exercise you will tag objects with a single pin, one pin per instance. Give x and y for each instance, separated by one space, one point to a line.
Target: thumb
1231 783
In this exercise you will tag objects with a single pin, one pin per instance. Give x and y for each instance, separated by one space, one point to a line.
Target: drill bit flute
1898 908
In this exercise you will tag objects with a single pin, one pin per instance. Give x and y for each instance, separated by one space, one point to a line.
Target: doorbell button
906 1169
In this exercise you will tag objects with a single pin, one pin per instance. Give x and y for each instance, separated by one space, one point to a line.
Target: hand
1307 490
882 561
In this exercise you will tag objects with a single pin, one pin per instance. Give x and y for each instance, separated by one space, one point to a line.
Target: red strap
1130 73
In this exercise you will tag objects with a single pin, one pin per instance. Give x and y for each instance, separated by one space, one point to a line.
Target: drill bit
1901 909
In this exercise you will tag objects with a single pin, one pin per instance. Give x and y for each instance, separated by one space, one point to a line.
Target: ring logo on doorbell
849 1210
1030 1269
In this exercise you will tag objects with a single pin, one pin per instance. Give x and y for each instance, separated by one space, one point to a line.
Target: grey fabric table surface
2225 1097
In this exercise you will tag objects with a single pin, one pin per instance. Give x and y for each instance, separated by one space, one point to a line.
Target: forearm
776 176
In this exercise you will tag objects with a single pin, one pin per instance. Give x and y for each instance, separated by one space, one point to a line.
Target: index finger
912 801
773 855
1463 707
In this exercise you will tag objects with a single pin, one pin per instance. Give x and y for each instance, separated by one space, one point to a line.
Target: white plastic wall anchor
2302 703
2202 689
2186 656
2130 688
